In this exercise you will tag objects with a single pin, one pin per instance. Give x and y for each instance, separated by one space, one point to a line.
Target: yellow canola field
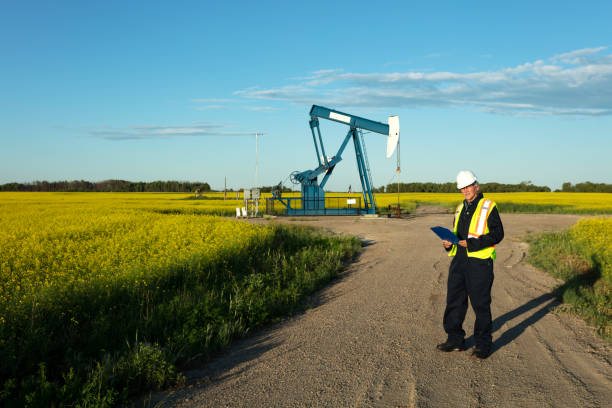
596 235
582 202
579 201
156 202
71 240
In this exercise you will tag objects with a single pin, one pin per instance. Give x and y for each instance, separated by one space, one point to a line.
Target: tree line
108 186
121 186
188 187
586 187
524 186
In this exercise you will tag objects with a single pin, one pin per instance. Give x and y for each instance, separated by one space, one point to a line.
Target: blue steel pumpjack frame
313 195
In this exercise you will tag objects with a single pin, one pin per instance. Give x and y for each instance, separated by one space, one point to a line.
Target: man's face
470 192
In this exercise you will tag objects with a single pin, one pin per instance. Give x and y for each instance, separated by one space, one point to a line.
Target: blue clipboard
445 233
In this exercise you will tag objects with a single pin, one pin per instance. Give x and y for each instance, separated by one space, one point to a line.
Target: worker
479 228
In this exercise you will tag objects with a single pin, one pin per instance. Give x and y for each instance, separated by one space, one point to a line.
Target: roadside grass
110 339
582 258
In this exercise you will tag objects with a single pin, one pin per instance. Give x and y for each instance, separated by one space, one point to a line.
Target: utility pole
398 175
256 137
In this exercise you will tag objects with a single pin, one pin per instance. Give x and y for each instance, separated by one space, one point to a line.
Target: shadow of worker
549 301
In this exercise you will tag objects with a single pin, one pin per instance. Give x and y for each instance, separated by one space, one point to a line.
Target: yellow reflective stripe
458 210
482 217
456 220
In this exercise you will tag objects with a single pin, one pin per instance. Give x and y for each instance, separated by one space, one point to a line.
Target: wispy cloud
578 56
209 107
262 108
205 104
437 55
163 132
576 83
211 100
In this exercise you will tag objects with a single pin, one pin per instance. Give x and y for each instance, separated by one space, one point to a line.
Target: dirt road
370 338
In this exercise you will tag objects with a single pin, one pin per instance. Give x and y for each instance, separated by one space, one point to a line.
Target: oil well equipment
312 200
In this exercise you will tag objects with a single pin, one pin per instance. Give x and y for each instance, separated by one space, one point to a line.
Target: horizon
234 189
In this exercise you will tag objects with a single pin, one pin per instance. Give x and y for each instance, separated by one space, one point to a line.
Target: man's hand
447 244
463 243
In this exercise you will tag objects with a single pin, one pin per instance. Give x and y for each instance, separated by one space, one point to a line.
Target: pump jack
313 194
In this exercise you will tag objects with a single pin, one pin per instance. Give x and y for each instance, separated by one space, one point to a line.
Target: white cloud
210 100
577 83
574 57
436 55
163 132
208 107
262 108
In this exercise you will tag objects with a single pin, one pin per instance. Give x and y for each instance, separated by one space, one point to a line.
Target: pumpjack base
318 205
329 211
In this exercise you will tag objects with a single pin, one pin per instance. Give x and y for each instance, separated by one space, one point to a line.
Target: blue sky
152 90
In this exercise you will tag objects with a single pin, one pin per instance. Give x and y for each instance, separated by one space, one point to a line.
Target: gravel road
369 339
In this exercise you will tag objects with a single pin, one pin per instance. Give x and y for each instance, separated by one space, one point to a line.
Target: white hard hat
465 178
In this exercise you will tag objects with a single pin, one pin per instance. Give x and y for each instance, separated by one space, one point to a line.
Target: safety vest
478 227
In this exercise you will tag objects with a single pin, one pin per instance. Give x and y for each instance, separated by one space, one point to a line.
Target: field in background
582 203
559 203
160 203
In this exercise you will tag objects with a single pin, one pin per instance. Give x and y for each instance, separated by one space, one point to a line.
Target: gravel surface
369 338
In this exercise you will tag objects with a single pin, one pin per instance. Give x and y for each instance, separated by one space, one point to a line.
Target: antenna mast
256 136
399 172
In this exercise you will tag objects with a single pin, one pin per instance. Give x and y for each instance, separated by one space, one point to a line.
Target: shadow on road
511 334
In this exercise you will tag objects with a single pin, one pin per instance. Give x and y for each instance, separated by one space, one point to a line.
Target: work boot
447 346
480 353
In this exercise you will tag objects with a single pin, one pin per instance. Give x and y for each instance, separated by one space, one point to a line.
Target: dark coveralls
473 278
